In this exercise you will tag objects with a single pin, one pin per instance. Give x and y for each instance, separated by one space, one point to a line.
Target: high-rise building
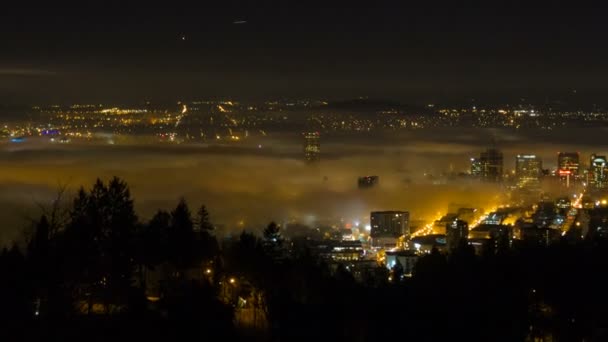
491 165
567 167
528 169
367 182
568 161
312 147
475 167
389 225
456 233
598 171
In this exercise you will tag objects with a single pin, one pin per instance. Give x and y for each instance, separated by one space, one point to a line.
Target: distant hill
373 105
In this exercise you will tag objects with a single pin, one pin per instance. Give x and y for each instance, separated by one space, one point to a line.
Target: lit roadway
428 228
570 219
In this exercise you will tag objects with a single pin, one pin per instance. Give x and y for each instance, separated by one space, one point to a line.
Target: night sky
436 52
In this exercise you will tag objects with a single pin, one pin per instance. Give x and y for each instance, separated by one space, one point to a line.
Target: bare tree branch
57 211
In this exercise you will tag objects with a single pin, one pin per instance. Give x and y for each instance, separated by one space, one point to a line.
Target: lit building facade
367 182
598 171
475 167
389 225
568 165
312 147
491 162
528 168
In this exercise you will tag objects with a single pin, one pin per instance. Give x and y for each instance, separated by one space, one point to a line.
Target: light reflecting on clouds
252 186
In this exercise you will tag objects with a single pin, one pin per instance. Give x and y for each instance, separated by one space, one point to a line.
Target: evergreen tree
80 247
119 215
203 222
39 263
247 257
181 237
153 239
206 247
38 247
100 239
15 291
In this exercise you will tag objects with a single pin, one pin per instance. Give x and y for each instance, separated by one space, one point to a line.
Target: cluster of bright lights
428 228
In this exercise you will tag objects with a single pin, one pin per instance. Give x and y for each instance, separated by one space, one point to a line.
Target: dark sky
413 52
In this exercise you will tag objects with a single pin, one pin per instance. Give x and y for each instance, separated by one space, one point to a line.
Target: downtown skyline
311 171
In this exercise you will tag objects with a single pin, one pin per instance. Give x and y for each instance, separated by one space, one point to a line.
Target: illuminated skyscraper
367 182
475 167
312 147
567 167
598 171
491 165
528 168
389 225
568 161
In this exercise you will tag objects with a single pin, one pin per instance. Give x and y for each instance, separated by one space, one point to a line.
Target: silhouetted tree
528 289
40 264
203 221
154 239
272 233
151 245
119 229
38 247
430 267
181 237
196 312
246 258
80 248
15 291
100 238
247 242
206 247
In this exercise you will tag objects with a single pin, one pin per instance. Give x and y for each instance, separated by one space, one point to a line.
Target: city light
385 171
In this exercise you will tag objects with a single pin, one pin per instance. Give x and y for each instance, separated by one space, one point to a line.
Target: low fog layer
249 184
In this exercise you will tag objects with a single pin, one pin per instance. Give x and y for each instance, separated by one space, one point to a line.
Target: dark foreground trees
89 279
104 275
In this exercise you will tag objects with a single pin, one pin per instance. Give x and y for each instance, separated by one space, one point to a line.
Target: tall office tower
475 167
312 147
367 182
568 167
491 165
598 171
528 168
457 233
389 225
